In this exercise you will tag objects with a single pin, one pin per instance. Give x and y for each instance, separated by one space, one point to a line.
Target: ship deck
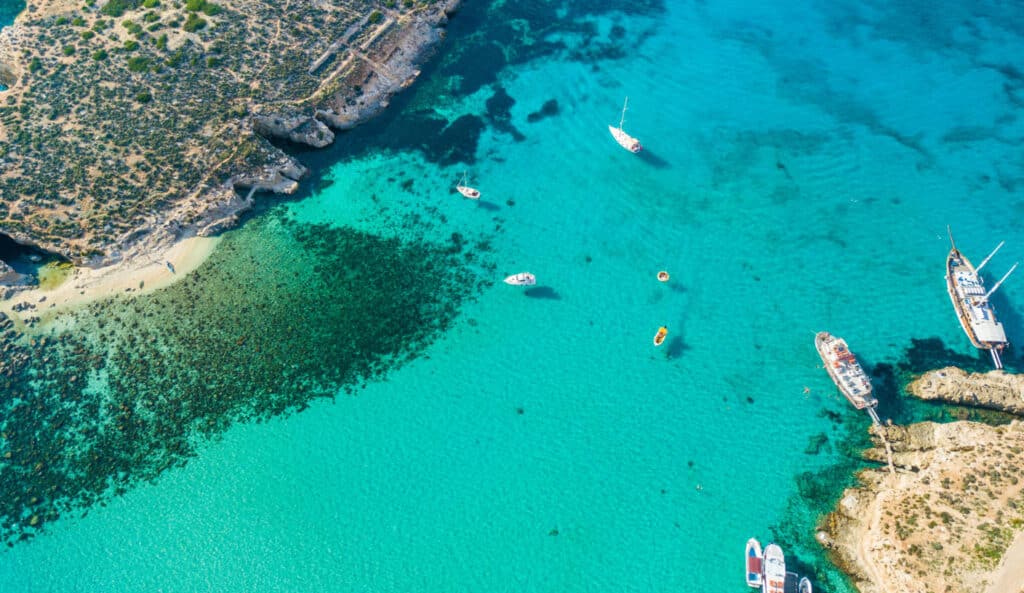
978 319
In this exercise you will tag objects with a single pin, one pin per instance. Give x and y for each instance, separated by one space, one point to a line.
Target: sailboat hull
468 192
625 140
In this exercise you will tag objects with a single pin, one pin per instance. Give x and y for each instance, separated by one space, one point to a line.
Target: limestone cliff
945 521
995 390
136 124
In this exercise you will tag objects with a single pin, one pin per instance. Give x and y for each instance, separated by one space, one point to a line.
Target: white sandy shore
135 276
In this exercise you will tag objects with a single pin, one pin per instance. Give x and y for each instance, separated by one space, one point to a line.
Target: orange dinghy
660 336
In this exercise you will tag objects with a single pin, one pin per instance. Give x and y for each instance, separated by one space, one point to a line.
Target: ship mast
985 261
622 119
984 299
949 231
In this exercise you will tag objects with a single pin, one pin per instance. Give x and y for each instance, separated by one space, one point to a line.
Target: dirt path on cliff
1009 577
869 537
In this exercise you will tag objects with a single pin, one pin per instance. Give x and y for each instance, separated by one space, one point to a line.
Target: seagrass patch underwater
281 313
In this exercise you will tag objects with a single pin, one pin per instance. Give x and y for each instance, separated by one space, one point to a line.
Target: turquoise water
800 167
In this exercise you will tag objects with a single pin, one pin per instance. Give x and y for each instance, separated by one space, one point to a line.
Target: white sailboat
467 191
625 140
521 279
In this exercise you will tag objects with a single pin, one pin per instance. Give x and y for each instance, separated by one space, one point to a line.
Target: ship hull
774 570
960 306
755 569
858 400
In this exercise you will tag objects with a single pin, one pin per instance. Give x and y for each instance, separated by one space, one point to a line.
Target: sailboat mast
622 119
985 261
1005 276
949 231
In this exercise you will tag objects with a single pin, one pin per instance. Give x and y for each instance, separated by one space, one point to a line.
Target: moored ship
755 567
845 371
970 300
774 570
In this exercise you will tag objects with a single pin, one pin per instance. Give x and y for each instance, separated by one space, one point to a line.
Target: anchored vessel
774 570
625 140
967 291
845 371
755 569
465 190
805 586
521 279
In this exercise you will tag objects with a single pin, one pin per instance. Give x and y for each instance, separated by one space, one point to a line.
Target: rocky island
128 125
951 518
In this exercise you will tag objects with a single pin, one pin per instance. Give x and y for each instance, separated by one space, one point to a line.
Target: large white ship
844 369
973 309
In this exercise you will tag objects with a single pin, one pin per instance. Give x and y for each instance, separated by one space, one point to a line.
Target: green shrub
193 23
376 17
150 3
143 97
100 54
87 35
35 65
116 8
78 22
161 42
138 64
131 45
68 50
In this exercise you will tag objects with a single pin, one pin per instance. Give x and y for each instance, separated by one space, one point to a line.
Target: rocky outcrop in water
995 390
944 521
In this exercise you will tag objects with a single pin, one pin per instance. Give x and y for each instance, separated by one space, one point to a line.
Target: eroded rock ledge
945 520
139 123
995 390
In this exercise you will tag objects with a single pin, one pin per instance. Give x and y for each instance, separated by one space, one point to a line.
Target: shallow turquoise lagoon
800 167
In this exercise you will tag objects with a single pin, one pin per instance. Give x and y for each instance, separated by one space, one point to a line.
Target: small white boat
521 279
465 190
755 570
804 586
625 140
774 570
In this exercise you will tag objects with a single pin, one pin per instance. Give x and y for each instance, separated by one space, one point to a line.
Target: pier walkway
888 448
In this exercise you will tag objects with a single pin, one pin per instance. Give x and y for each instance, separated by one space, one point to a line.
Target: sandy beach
135 276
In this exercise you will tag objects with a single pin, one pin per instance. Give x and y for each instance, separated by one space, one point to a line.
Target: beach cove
536 440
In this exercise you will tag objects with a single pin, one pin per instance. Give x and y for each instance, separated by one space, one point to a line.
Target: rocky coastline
325 67
950 518
995 390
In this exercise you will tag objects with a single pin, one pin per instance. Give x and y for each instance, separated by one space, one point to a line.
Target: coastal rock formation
294 128
127 124
944 521
995 390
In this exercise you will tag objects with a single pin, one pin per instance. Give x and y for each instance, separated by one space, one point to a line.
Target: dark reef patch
925 354
548 109
280 314
499 113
